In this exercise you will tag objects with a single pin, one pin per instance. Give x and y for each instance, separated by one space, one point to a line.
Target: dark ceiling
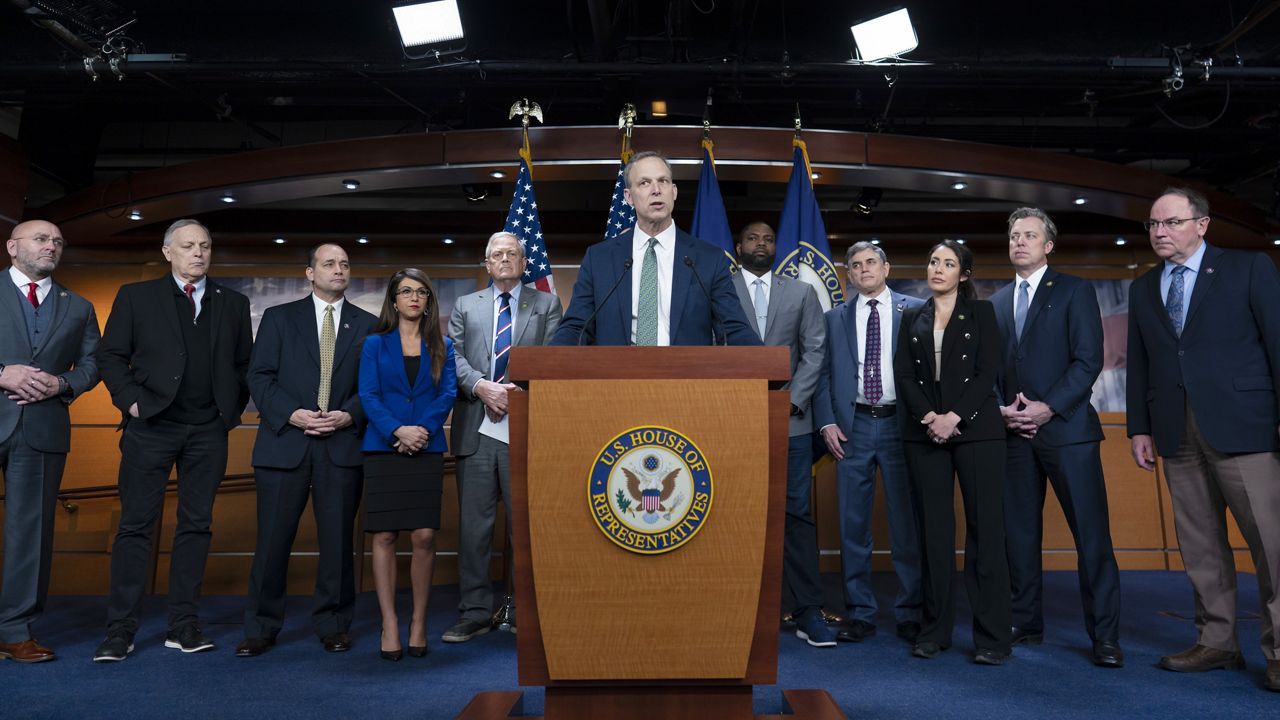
1030 75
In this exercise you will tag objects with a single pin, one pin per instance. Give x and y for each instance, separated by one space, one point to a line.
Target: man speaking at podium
655 284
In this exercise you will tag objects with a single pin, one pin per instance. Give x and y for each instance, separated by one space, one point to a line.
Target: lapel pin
966 335
218 290
1208 271
62 294
901 306
1049 284
345 326
961 317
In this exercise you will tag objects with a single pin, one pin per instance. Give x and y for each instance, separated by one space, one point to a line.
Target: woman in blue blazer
407 385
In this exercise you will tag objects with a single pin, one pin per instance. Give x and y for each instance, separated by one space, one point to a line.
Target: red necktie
31 295
190 290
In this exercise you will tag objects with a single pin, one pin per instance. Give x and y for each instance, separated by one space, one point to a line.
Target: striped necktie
502 339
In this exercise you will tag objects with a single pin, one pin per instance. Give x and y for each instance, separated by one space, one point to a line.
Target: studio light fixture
1080 200
961 241
884 37
497 174
350 184
658 108
815 175
959 185
868 200
279 241
429 28
875 241
1121 241
447 241
135 215
228 198
362 240
1276 241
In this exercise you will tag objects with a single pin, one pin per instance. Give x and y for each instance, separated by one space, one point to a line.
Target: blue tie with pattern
1173 303
1020 308
502 339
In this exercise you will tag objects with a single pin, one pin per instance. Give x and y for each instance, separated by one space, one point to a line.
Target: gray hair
488 246
1050 230
858 247
644 155
179 224
1198 202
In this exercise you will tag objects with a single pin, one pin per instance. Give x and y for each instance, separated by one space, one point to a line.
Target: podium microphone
626 268
716 325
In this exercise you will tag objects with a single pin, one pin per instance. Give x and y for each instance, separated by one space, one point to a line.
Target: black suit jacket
284 376
970 365
141 353
1059 356
1226 364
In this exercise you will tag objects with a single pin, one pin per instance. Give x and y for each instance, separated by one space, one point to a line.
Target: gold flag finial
797 120
525 110
627 120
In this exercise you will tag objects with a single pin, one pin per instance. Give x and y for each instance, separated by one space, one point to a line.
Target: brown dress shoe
27 651
1273 675
1200 658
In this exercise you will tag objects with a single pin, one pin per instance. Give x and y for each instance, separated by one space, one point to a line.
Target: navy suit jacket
390 402
1226 364
1059 356
284 376
692 317
838 384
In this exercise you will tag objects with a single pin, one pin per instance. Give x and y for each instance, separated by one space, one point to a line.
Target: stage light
1080 200
658 108
228 198
815 175
868 200
447 241
961 241
959 185
135 215
1121 241
424 24
887 36
350 184
279 241
497 174
875 241
1276 241
362 240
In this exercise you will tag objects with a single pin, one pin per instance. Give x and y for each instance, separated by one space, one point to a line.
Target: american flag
523 222
622 217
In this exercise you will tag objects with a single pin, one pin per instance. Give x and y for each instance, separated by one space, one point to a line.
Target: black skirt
402 492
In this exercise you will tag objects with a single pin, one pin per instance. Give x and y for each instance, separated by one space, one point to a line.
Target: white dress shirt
1188 278
337 314
884 306
22 281
666 255
767 280
1033 283
197 294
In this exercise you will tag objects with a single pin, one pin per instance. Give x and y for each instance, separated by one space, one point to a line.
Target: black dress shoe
926 650
856 631
253 647
909 630
336 642
990 657
392 655
416 651
1107 653
1025 636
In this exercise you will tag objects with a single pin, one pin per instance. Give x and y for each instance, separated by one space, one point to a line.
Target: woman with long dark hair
407 385
945 368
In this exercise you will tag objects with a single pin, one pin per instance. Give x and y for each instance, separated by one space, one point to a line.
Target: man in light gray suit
48 335
785 312
856 410
484 326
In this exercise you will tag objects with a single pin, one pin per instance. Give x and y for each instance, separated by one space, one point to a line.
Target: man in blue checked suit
1052 333
655 284
857 411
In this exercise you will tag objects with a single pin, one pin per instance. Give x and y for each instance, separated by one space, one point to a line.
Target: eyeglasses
1171 223
407 293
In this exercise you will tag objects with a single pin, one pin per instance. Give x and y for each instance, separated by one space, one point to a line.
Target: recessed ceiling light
447 241
959 185
350 184
497 174
228 198
1121 241
1080 200
1132 266
815 175
875 241
1276 241
961 241
135 215
362 240
279 241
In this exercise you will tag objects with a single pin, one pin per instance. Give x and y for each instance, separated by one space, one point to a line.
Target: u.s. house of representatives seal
650 489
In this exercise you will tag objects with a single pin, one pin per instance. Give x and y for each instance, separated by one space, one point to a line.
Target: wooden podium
639 596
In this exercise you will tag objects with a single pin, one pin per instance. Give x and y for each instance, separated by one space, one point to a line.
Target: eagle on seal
637 489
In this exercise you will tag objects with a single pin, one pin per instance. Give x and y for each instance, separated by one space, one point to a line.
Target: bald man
48 336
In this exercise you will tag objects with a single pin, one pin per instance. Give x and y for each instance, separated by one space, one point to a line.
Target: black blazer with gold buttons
970 363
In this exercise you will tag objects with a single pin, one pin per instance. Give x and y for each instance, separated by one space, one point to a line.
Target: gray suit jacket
537 315
795 321
69 352
838 387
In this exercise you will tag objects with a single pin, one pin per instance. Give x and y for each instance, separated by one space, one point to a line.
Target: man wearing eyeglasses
48 336
484 326
303 377
1203 375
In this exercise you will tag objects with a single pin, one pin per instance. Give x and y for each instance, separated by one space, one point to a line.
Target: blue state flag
710 224
803 251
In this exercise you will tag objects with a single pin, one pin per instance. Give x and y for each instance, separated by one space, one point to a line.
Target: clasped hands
941 428
25 384
410 439
1027 420
494 397
320 423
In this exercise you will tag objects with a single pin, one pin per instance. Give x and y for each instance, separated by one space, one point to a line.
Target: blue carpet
874 679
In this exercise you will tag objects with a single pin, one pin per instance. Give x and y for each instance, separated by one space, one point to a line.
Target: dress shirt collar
666 240
320 305
751 279
199 284
884 299
1033 281
1192 263
515 294
22 281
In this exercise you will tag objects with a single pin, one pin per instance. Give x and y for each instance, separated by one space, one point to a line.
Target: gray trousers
1203 484
482 477
31 480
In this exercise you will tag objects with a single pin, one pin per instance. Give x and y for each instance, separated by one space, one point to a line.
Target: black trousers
282 497
933 470
149 449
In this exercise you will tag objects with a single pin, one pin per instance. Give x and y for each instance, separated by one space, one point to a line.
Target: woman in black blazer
945 368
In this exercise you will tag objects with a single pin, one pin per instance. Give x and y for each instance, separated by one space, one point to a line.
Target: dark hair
1198 202
428 324
311 255
965 291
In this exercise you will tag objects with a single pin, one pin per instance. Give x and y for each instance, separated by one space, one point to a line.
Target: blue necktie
1173 303
762 307
502 339
1020 308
